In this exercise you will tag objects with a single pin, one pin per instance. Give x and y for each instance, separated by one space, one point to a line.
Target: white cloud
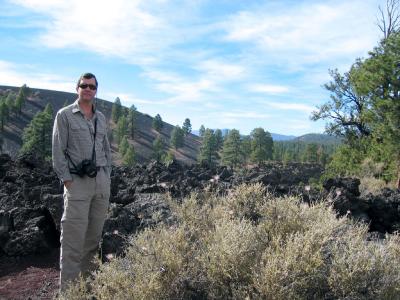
291 106
221 71
268 88
119 28
17 75
307 33
236 117
128 99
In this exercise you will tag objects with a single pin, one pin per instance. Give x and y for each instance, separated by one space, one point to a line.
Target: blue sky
223 64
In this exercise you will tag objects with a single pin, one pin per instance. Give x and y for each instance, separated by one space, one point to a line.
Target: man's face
85 91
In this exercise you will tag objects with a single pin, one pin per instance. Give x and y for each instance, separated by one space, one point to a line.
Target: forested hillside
26 120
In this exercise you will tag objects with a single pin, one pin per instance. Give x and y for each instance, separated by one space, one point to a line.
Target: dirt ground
31 277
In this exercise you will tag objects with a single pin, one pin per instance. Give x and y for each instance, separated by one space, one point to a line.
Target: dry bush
365 270
245 200
249 245
373 185
230 252
370 168
295 262
282 217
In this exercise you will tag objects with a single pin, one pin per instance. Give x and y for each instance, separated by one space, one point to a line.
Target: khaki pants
85 209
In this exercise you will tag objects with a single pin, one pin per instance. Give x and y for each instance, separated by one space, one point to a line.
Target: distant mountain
281 137
275 136
224 131
143 141
318 138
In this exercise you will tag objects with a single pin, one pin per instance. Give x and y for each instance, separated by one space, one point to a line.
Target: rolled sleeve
59 144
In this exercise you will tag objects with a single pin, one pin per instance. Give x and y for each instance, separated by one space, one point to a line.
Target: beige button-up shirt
74 133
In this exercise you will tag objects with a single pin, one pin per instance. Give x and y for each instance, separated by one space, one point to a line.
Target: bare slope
12 134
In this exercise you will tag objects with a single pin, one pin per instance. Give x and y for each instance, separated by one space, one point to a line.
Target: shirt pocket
79 133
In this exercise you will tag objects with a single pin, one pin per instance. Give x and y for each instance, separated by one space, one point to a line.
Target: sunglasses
91 86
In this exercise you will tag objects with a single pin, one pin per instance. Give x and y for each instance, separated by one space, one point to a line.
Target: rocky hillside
36 102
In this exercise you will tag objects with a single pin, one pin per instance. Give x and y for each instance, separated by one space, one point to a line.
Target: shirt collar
76 108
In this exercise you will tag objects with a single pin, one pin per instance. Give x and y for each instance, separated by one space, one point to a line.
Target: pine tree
116 111
232 151
158 149
310 155
132 116
123 146
4 114
187 127
37 135
157 123
25 90
208 154
122 129
20 100
129 156
10 102
169 158
177 137
219 140
246 148
202 130
261 145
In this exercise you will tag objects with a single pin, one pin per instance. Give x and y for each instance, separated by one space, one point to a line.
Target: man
82 161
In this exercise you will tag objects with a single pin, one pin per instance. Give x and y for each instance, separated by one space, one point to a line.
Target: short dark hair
87 76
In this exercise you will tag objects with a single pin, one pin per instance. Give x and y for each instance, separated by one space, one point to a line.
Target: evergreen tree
158 149
123 146
187 127
169 158
202 130
10 102
20 100
38 134
4 114
158 123
232 149
246 148
132 116
261 145
129 156
219 140
49 109
288 155
122 128
311 153
116 111
25 90
208 154
365 109
177 137
322 155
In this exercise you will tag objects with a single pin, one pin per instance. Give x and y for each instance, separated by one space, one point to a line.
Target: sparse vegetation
250 245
